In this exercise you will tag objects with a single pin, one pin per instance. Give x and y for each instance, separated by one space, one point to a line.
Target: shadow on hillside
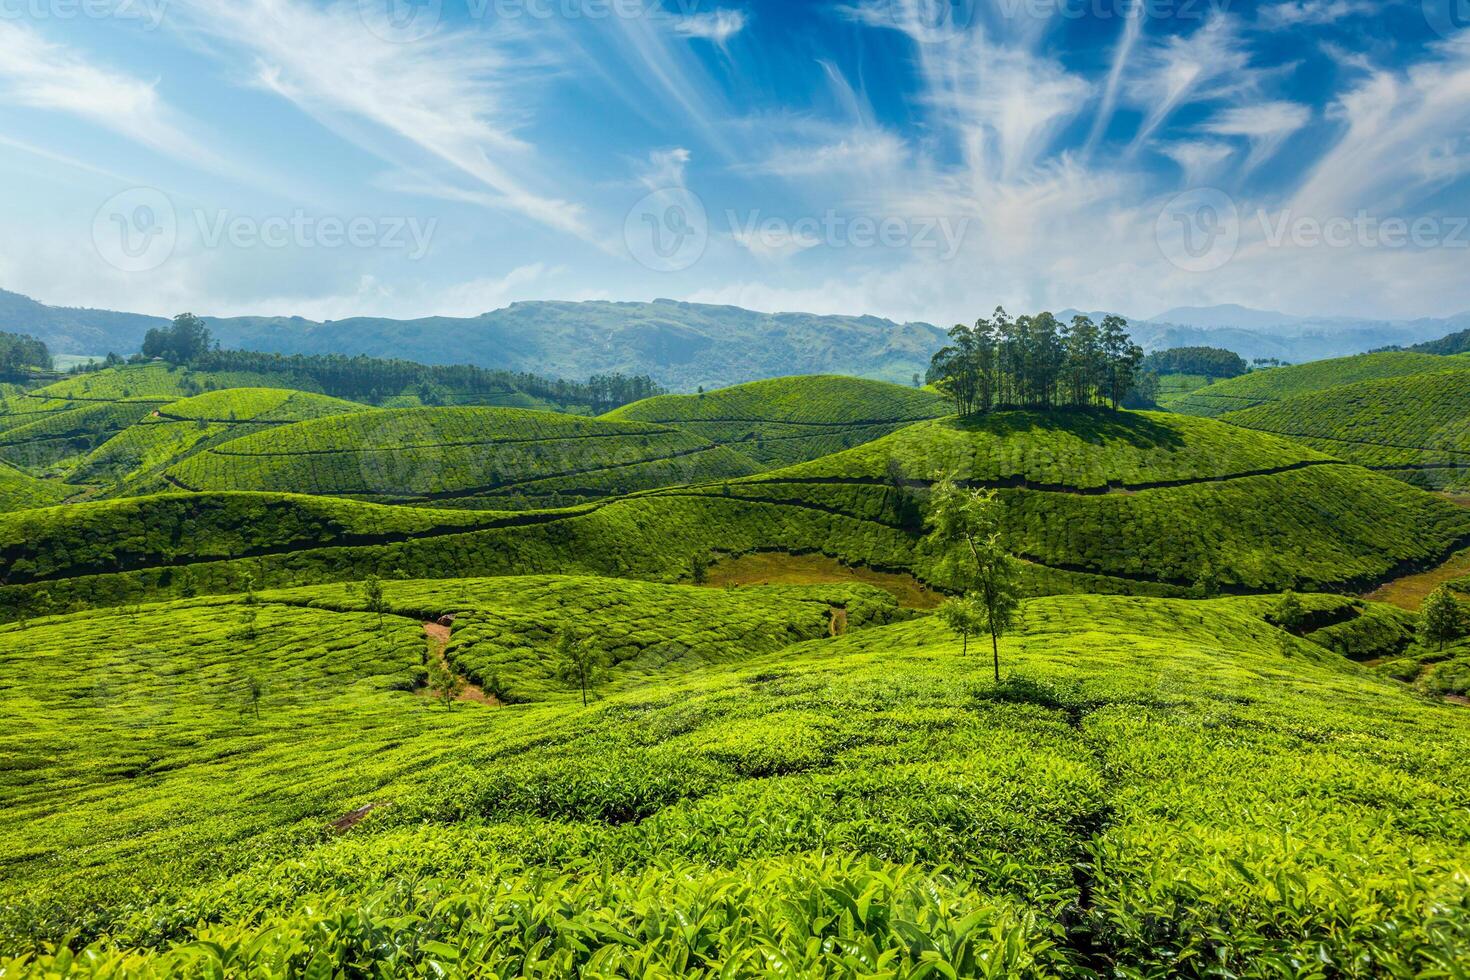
1094 425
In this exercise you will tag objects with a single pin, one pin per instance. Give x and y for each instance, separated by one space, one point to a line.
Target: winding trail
438 637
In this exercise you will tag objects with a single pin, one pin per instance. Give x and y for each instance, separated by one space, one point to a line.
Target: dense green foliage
1211 362
20 352
791 420
1036 362
482 457
1259 387
860 800
1416 427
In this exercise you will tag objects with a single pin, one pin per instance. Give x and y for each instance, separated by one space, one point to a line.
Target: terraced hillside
47 430
19 490
1147 503
807 809
790 420
1415 428
1105 494
134 459
467 457
1274 384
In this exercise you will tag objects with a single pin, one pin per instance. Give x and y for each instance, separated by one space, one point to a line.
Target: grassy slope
1259 387
1263 514
819 806
174 431
19 490
51 428
1416 428
470 456
789 420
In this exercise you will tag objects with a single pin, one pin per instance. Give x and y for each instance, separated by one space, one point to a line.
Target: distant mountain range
687 345
1265 333
681 345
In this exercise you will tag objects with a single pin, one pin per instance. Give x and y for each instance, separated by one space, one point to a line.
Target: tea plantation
1274 384
1416 428
790 420
133 460
862 804
479 457
301 687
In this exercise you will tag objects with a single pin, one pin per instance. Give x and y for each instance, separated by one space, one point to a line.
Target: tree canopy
21 351
1036 362
1212 362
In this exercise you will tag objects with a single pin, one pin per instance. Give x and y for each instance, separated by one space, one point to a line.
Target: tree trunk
995 652
964 644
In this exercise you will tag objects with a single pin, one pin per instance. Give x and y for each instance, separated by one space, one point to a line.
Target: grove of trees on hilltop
1037 362
1212 362
21 351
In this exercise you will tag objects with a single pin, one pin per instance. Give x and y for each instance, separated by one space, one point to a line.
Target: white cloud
1264 124
1132 31
1210 64
1199 159
38 74
1296 13
445 95
857 153
717 27
664 169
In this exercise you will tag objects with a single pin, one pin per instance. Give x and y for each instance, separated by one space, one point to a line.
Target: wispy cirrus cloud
40 74
444 96
717 26
1264 124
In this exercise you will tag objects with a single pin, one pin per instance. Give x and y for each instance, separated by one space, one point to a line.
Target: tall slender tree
967 523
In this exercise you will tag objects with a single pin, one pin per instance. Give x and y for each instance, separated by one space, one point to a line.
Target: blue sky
918 159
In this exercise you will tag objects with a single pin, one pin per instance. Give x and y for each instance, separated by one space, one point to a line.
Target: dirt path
438 637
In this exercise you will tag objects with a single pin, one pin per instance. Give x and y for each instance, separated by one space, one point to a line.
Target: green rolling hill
1094 502
1274 384
1416 428
790 420
466 457
48 430
170 433
796 808
19 490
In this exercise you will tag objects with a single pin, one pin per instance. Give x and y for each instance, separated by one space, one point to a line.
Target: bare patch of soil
438 636
354 817
1410 591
